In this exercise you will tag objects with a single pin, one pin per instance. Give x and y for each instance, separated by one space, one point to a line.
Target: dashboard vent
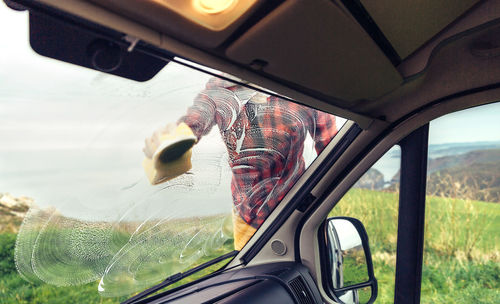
299 288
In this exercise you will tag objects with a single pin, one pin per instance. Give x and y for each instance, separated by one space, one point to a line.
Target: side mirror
349 275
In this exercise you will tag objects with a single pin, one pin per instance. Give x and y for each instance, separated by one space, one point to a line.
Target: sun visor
321 46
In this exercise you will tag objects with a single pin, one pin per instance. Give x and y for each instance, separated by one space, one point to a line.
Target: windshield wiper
178 276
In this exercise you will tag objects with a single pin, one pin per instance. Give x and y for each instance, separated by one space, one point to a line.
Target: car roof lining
94 13
462 52
332 55
359 100
484 12
408 24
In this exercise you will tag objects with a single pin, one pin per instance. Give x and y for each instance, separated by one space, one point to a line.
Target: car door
460 255
444 187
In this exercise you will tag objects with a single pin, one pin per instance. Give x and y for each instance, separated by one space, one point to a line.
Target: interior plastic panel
474 52
486 11
344 63
408 24
269 283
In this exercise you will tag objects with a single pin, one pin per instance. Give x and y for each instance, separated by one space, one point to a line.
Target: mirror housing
349 276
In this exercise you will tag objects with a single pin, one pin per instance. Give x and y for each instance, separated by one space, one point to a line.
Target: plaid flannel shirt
265 142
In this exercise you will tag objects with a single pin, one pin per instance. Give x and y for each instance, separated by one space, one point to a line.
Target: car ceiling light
215 15
213 6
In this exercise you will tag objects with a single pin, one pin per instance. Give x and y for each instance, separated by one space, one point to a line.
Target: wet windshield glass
125 183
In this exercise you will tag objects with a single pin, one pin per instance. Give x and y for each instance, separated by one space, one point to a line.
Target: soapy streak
144 252
267 150
148 254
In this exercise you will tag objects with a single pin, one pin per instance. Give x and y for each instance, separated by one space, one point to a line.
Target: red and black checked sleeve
325 129
216 104
200 116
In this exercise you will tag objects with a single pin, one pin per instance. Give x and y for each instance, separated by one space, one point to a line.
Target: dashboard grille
299 288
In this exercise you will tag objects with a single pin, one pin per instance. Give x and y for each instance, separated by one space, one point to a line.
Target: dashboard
270 283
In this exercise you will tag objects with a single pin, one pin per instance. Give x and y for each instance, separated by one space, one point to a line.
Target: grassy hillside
466 159
480 181
461 253
461 262
14 289
474 175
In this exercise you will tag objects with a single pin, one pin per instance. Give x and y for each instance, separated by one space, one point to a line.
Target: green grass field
14 289
461 262
461 253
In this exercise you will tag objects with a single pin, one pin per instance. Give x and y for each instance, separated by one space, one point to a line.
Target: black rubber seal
364 19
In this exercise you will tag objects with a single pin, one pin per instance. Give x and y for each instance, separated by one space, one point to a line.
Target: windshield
120 184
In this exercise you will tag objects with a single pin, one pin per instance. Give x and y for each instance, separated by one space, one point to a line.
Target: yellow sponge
173 157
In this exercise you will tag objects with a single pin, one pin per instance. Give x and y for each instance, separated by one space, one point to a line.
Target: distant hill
449 149
464 160
477 181
473 175
372 180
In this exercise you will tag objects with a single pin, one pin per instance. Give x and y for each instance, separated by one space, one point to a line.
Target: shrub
7 244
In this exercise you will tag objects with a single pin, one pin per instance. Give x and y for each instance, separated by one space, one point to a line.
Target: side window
462 239
374 200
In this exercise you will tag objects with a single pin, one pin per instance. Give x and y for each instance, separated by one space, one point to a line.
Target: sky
471 125
87 128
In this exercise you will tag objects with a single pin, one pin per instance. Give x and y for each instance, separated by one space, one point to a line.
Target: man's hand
151 143
168 152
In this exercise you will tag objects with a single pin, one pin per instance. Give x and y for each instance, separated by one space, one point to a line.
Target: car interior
389 67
